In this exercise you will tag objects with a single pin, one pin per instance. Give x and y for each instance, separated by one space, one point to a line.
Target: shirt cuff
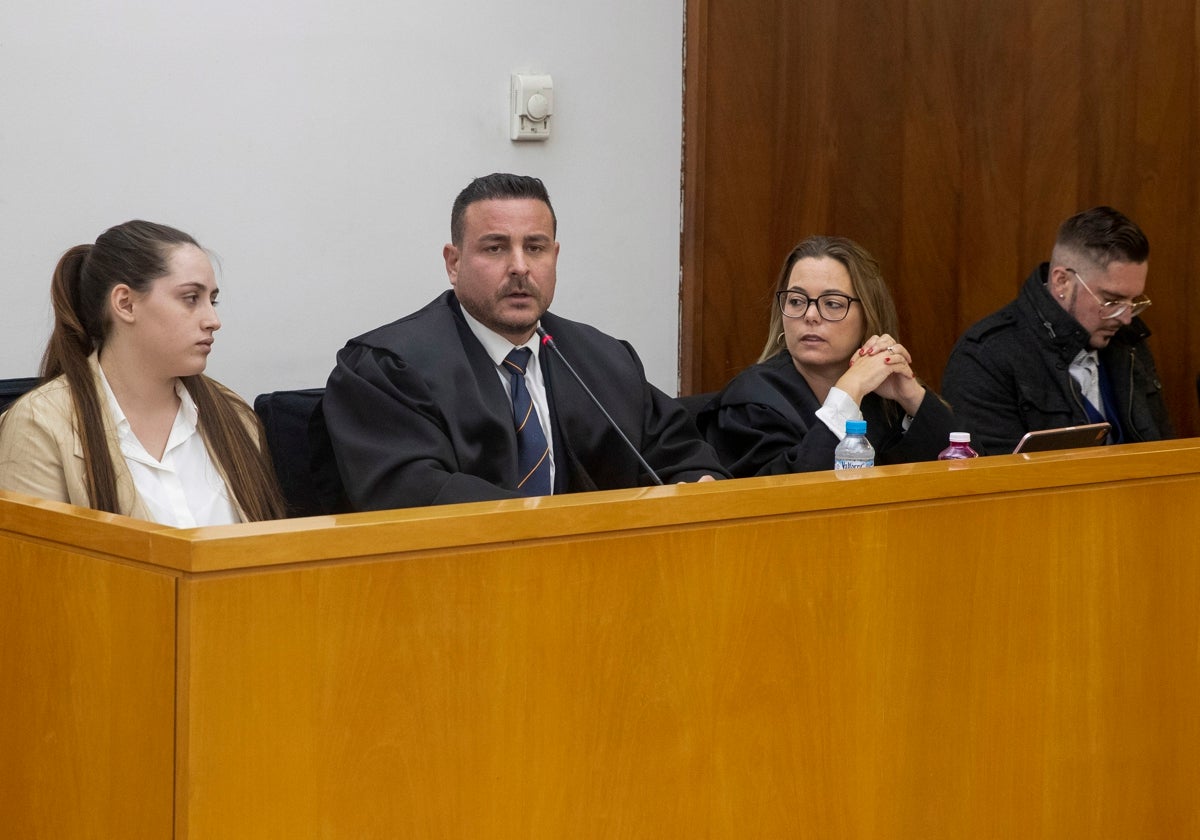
838 408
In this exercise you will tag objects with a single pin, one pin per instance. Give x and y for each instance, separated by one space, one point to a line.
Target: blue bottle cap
856 427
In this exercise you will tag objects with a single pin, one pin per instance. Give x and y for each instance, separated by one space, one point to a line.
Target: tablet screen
1068 437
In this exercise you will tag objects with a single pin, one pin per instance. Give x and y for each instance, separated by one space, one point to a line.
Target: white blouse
185 489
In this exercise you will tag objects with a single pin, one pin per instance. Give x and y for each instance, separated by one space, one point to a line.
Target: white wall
316 146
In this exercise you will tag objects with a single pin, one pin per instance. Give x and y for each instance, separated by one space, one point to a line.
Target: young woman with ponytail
125 420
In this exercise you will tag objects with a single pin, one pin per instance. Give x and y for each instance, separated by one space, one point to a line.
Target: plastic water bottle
959 448
855 450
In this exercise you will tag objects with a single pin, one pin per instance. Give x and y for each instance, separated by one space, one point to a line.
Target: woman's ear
120 302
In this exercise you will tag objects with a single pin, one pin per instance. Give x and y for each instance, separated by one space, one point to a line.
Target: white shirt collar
1085 370
496 345
185 488
183 428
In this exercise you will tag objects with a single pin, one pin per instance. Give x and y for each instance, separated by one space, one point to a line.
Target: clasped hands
883 365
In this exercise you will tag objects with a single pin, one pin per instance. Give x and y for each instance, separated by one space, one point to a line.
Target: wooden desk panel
87 687
1006 648
935 669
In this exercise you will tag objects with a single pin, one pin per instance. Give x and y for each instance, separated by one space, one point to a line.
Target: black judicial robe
764 423
417 415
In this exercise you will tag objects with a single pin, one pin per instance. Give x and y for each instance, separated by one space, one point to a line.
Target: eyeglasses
1114 308
831 306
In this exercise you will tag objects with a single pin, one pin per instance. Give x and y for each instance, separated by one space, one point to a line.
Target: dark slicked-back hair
1103 235
134 253
498 185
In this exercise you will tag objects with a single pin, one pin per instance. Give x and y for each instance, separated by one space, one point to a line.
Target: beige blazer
41 453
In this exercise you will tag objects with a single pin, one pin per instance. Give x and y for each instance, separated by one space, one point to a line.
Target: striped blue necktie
533 454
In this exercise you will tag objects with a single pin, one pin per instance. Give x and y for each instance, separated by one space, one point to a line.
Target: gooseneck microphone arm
548 341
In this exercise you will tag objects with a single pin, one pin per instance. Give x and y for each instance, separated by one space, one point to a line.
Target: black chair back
310 485
12 389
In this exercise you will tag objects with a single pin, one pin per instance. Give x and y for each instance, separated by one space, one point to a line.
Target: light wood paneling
951 140
87 688
915 669
1007 647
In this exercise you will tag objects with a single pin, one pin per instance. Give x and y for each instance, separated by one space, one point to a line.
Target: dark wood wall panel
990 124
949 138
1164 106
733 103
931 154
1052 124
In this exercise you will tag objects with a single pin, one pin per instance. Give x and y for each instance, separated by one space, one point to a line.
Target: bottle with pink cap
959 448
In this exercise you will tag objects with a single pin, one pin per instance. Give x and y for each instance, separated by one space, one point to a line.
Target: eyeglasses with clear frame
831 306
1114 308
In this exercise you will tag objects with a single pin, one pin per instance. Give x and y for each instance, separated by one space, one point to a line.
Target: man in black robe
420 411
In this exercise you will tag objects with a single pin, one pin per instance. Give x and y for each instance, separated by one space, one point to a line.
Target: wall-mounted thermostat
531 107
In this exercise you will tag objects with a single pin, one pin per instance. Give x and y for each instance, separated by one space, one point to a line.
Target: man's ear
451 255
120 302
1058 281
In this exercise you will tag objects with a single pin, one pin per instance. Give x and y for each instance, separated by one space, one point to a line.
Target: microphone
548 341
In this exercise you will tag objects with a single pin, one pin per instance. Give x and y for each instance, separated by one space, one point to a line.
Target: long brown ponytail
74 338
245 461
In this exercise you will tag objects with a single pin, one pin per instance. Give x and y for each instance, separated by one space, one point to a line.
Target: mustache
522 286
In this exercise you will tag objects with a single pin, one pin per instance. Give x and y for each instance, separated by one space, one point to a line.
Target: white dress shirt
836 410
1085 369
185 488
839 407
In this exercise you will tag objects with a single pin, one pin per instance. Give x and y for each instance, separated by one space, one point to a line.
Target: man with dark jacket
1070 349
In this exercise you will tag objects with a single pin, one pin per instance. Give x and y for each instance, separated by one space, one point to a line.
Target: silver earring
780 338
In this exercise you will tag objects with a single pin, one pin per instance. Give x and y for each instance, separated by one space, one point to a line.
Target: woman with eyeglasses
831 355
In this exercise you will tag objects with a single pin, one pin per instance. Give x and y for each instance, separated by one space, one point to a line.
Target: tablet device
1068 437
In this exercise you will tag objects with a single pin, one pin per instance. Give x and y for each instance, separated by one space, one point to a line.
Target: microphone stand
548 341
